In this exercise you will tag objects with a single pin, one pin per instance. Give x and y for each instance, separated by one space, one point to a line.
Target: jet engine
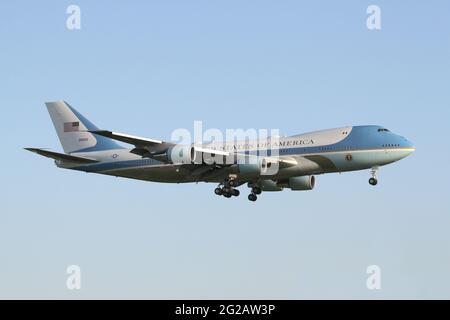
299 183
269 185
184 154
180 154
259 167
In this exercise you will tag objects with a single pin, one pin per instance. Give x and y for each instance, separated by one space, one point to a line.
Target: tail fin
72 128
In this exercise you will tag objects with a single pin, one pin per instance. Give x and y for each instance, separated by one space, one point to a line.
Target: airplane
297 158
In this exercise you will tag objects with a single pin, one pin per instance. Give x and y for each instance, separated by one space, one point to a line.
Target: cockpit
383 130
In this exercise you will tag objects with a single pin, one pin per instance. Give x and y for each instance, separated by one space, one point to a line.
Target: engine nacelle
183 154
262 167
269 185
299 183
249 170
180 154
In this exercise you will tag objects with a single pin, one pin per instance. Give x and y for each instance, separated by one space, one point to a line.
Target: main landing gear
227 189
373 181
255 190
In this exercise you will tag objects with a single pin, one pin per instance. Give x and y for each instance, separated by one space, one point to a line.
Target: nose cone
404 148
409 144
409 147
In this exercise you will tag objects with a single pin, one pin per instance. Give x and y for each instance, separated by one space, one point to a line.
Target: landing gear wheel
232 183
235 192
373 181
218 191
252 197
226 190
227 195
256 190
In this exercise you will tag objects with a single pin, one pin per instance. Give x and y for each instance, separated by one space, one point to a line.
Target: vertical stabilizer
72 128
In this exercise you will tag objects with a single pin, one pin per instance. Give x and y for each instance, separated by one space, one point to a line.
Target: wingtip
34 150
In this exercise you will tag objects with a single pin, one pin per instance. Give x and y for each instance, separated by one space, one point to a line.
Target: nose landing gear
373 181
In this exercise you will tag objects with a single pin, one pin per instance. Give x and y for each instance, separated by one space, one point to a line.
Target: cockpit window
383 130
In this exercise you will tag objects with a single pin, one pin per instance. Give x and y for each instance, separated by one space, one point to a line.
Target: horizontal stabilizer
61 156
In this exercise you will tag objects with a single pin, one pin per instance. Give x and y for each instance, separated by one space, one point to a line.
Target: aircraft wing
283 161
137 141
145 145
61 156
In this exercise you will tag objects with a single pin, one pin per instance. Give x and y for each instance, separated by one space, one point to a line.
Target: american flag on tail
71 126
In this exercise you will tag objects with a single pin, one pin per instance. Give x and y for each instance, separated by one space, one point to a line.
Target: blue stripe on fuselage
118 165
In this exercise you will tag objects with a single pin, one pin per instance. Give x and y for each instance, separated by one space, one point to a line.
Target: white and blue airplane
297 158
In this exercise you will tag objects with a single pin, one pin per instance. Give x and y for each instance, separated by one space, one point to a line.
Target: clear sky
149 67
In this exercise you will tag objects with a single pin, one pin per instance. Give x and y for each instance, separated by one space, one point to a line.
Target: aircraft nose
406 145
410 146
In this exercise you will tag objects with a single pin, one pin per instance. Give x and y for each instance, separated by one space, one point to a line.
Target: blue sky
149 67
